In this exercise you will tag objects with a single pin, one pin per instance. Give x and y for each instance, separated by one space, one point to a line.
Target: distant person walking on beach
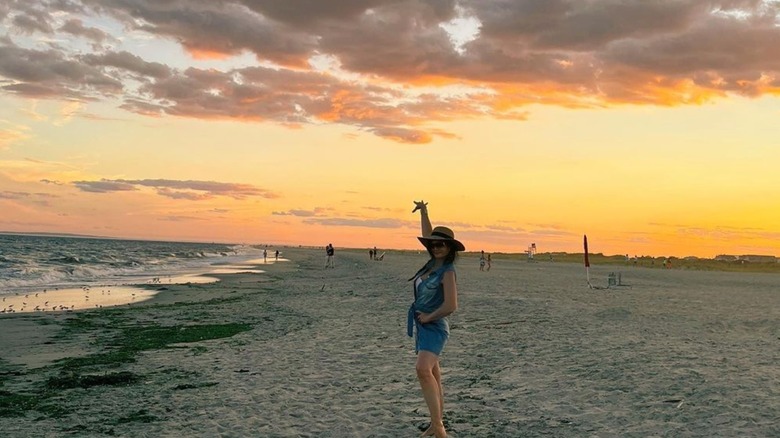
265 255
482 261
329 251
435 297
489 261
276 255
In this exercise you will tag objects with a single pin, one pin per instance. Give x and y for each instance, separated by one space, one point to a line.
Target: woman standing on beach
435 297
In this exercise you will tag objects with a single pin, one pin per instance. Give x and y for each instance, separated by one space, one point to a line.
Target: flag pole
587 262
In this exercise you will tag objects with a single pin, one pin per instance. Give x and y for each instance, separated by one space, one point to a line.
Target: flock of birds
55 308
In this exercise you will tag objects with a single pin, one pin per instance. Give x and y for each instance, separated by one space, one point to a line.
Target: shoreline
194 289
71 298
306 351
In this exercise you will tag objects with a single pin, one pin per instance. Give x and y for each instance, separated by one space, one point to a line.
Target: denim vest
429 294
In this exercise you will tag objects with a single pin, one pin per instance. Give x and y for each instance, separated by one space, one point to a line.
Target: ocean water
32 262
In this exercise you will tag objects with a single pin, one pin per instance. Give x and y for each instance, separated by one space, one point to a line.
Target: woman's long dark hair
451 257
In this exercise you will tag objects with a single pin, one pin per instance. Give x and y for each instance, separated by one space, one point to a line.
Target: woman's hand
420 205
423 318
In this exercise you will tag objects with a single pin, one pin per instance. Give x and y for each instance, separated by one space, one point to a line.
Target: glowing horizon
308 125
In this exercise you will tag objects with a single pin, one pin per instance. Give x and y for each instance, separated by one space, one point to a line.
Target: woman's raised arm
425 222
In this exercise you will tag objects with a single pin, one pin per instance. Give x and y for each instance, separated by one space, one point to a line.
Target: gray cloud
129 62
5 8
31 20
582 25
49 73
718 50
183 194
174 218
190 189
6 194
402 135
76 27
301 213
104 186
234 190
209 29
307 12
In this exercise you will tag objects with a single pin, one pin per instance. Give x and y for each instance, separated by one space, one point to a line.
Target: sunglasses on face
434 245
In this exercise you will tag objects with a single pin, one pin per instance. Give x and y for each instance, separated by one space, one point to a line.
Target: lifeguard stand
531 251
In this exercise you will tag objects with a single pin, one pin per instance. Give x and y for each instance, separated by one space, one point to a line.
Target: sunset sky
651 126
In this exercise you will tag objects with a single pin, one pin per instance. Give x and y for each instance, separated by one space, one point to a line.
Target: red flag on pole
587 262
585 243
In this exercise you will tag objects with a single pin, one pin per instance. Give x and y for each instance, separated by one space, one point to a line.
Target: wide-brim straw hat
445 234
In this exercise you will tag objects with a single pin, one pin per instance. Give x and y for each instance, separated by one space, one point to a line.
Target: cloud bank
393 68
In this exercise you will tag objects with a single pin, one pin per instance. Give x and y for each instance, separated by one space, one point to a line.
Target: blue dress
429 296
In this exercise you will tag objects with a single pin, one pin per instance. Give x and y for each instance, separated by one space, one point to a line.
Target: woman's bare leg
431 389
437 376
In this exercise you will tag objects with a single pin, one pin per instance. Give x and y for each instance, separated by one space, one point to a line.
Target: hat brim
455 243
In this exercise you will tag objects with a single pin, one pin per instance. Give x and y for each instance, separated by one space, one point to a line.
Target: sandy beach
303 351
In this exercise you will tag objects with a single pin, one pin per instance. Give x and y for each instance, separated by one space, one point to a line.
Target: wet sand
533 353
58 300
100 296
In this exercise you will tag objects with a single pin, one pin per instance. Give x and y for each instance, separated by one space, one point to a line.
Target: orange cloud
203 54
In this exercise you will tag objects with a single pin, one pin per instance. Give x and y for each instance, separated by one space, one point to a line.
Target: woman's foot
435 430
